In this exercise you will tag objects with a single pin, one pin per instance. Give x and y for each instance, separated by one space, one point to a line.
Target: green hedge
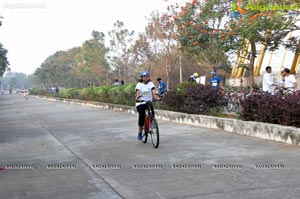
195 99
71 93
36 91
123 94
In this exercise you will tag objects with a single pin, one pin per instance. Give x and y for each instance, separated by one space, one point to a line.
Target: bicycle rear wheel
154 133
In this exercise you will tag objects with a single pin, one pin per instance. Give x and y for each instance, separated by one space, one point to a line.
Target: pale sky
32 30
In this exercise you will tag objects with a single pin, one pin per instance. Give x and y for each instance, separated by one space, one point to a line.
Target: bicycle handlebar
147 101
137 99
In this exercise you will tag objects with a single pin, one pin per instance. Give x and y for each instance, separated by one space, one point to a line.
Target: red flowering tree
208 29
201 31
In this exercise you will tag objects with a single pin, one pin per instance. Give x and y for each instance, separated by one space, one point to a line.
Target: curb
273 132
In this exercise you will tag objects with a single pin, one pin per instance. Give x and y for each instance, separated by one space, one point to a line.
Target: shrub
194 99
88 94
72 93
129 94
115 94
276 109
102 94
124 94
36 91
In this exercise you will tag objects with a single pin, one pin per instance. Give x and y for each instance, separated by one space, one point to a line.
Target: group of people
214 81
116 82
287 81
53 89
146 91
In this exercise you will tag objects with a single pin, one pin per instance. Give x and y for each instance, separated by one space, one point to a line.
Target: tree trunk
167 72
251 64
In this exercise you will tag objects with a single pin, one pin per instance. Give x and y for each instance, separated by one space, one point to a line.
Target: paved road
55 150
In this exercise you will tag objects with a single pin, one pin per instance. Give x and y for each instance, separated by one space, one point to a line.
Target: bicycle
150 126
287 92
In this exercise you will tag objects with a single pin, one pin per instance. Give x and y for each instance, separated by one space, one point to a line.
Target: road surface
55 150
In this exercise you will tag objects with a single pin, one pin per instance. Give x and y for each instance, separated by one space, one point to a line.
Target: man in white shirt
268 83
289 80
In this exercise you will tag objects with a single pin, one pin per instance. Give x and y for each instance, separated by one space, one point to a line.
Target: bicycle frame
150 126
149 115
147 122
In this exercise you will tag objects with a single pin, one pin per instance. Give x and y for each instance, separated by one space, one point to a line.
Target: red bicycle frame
147 122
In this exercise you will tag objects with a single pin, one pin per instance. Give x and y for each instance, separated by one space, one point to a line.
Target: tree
92 64
160 34
207 25
20 80
269 28
200 33
78 66
1 21
3 60
121 40
58 68
33 81
14 80
141 50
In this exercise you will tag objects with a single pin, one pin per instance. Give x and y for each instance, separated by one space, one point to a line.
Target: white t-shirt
281 82
267 83
289 81
146 92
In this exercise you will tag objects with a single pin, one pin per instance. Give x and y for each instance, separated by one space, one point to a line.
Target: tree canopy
209 29
3 60
205 32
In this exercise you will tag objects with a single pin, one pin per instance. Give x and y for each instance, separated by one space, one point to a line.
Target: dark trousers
141 111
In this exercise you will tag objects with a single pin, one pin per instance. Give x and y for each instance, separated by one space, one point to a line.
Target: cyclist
162 86
145 91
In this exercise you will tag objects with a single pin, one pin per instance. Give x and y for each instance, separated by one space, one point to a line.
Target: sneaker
139 137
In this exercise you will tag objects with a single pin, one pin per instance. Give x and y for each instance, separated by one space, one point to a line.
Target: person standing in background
193 78
268 83
290 81
116 83
214 81
162 86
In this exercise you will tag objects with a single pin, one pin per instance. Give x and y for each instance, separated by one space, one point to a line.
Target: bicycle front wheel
154 132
